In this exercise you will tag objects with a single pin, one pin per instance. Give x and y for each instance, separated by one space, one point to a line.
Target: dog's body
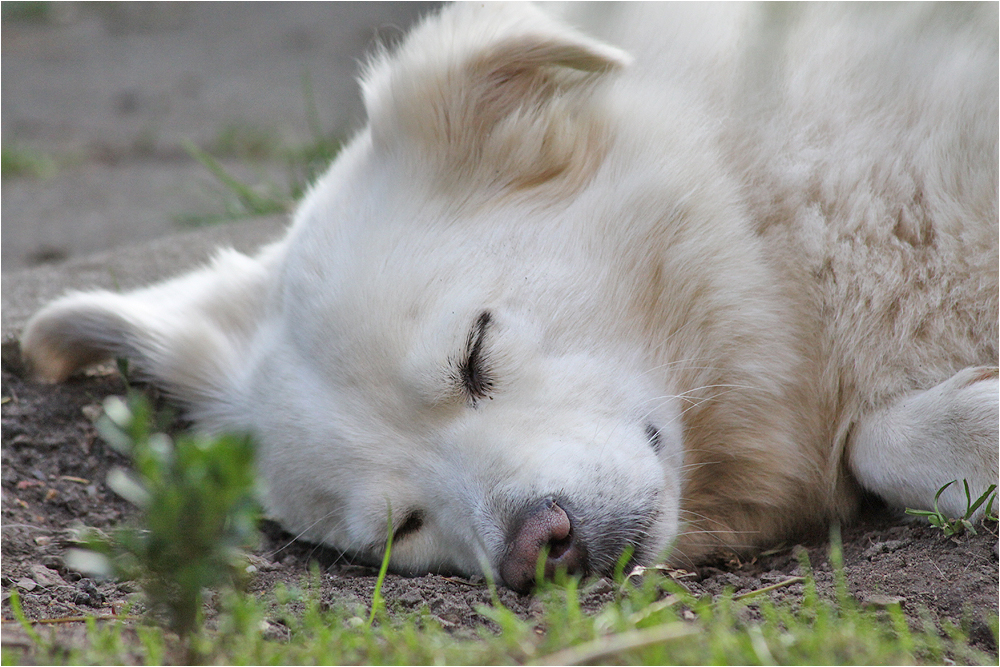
554 299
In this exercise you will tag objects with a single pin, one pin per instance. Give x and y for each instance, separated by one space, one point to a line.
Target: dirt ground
55 466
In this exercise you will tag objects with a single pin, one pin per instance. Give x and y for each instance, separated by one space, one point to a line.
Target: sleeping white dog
674 279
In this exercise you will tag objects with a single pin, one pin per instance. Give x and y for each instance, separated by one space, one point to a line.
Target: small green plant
652 621
245 142
963 523
308 162
305 164
196 497
253 202
27 12
22 162
198 512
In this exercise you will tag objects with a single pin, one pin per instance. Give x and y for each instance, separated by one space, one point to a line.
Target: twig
605 647
73 619
463 582
768 589
71 478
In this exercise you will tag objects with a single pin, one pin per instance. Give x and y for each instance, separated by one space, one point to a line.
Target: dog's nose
544 527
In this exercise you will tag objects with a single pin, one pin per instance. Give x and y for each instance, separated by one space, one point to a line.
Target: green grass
27 12
194 496
23 162
241 200
197 501
656 623
958 525
256 145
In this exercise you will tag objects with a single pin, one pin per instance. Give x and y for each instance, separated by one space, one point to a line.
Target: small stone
599 587
536 608
262 564
52 561
26 584
878 600
410 599
445 623
88 595
273 631
128 587
46 577
885 547
92 412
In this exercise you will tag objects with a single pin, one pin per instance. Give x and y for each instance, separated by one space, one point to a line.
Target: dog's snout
544 528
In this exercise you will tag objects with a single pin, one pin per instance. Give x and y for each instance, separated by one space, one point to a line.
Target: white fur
767 232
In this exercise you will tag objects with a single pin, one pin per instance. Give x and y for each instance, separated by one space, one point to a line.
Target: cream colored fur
714 278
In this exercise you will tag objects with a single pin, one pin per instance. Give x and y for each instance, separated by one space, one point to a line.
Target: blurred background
126 121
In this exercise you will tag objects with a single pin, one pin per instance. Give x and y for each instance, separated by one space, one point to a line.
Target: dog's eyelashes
414 521
654 437
475 375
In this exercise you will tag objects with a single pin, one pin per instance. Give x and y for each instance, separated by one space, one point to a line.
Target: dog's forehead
383 264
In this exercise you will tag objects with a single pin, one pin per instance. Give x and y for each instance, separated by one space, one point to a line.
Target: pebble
878 600
888 546
45 577
88 595
260 564
411 598
599 587
92 412
273 631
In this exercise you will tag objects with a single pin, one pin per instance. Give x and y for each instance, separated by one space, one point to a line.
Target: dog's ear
505 86
188 334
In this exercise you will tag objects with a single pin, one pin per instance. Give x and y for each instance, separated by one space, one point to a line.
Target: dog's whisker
305 530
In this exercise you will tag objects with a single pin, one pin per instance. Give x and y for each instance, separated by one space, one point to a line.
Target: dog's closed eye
413 522
474 372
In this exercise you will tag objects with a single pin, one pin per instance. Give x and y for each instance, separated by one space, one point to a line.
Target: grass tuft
23 162
964 523
196 497
304 164
197 501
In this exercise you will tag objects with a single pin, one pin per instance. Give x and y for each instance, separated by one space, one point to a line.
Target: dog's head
470 327
446 334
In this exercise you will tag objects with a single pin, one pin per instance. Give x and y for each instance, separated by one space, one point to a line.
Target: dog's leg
907 451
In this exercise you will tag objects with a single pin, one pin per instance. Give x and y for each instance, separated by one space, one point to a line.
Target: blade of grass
603 648
312 111
768 589
253 202
18 611
377 601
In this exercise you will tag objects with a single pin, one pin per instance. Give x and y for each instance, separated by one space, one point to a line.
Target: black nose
543 527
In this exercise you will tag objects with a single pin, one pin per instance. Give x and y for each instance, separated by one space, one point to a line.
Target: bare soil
53 478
